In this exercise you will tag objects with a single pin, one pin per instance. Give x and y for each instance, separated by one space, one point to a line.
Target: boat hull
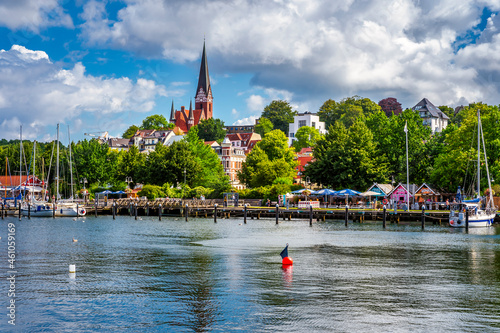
37 210
485 220
70 210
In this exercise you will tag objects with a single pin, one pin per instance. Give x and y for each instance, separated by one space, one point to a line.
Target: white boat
479 212
68 207
37 209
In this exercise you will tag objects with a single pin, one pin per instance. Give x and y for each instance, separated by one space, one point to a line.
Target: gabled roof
413 188
426 105
430 189
14 180
384 188
118 142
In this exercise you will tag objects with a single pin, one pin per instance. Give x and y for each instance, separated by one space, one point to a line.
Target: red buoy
287 261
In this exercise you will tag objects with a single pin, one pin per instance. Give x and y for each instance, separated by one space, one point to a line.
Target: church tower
203 98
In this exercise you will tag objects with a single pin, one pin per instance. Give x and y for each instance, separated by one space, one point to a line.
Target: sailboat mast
57 165
20 158
33 176
490 192
70 164
478 153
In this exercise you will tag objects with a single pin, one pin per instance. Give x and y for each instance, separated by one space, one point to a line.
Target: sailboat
34 207
66 207
477 213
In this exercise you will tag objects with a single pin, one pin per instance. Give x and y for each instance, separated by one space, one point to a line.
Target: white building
232 159
305 119
431 115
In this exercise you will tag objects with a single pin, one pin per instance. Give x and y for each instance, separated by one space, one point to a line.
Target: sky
95 66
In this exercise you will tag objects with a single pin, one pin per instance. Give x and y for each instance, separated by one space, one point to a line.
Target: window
302 123
313 124
292 135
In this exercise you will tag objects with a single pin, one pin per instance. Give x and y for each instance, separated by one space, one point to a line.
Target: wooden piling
113 208
159 212
135 210
245 214
29 211
423 217
384 218
215 213
346 214
277 213
310 215
186 212
19 210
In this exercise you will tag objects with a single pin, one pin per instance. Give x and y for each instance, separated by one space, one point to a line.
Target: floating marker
286 260
72 268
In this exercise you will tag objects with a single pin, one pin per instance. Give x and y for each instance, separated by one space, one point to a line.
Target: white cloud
315 49
38 93
246 121
32 15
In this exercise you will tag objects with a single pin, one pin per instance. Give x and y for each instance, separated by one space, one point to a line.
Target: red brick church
185 119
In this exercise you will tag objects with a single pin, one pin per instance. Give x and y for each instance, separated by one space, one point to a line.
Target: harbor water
147 275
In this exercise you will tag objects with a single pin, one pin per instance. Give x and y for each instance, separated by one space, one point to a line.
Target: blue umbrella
325 191
299 191
119 192
347 192
105 192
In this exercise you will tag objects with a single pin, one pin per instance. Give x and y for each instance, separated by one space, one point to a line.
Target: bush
151 192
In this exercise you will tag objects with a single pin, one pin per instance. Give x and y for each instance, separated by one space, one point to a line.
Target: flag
284 253
406 127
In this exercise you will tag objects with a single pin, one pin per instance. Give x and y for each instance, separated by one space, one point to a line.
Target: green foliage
151 192
264 126
93 161
270 159
156 122
211 130
211 167
347 111
280 114
173 164
347 158
131 163
306 137
282 180
129 132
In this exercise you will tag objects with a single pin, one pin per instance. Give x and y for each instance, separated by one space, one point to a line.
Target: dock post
310 215
147 208
215 213
159 212
245 214
19 210
77 211
186 212
53 210
135 210
29 211
114 210
95 210
346 214
423 217
3 211
467 220
277 213
384 218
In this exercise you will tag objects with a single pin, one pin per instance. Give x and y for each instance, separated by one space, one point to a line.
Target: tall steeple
172 113
203 97
190 121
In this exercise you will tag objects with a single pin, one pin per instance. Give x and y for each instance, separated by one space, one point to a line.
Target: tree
130 132
92 161
131 164
264 126
156 122
280 114
390 106
270 159
348 110
212 171
347 158
172 164
306 137
211 129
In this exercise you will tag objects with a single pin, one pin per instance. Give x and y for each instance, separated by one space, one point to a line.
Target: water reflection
200 276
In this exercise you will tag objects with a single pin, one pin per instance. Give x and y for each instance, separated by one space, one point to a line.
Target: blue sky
105 65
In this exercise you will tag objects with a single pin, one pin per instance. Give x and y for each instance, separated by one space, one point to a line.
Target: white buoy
72 268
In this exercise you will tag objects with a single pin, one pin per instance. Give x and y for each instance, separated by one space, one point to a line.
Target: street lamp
83 181
128 180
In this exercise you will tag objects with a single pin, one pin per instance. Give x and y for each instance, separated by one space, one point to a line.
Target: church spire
191 116
203 99
172 113
203 79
